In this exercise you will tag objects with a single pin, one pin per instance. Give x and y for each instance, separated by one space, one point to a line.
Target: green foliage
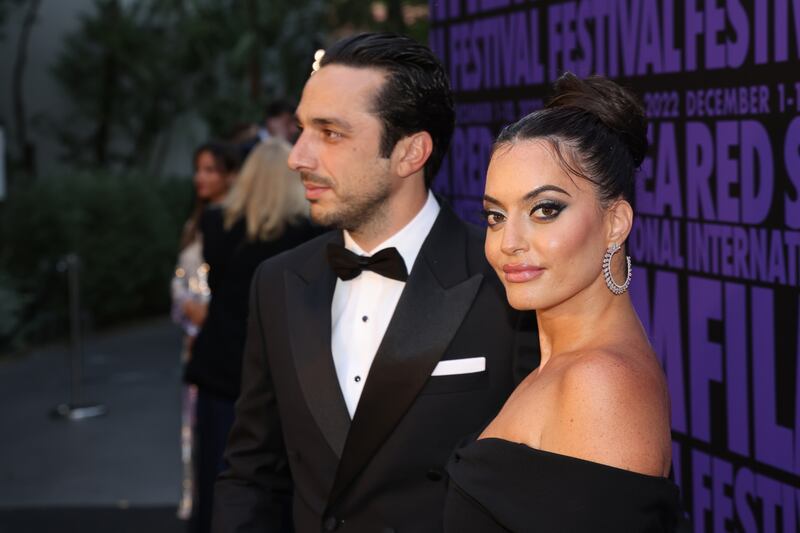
12 304
237 55
388 15
133 67
125 231
122 85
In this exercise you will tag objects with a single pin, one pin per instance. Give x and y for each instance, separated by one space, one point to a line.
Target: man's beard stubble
361 211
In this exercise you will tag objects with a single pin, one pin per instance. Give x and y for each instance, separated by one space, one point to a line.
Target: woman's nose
514 238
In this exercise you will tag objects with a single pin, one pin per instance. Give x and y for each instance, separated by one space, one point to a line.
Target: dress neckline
568 458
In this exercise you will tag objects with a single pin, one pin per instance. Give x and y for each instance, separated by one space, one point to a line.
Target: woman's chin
521 301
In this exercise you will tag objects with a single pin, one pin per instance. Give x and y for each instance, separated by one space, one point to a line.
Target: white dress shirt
363 306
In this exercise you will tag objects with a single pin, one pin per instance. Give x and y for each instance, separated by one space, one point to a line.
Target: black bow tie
347 265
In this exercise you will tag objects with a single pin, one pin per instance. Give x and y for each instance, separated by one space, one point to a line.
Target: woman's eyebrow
491 200
544 188
528 197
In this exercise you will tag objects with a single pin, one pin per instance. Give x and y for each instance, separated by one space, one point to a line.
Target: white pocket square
452 367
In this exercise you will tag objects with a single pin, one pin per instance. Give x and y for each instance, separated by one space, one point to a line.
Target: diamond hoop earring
612 285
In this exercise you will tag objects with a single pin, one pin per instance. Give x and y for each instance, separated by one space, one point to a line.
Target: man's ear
411 153
619 218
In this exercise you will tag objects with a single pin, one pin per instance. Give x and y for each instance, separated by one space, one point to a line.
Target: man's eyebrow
324 122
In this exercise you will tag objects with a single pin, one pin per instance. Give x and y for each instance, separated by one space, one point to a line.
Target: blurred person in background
244 136
215 166
279 122
264 214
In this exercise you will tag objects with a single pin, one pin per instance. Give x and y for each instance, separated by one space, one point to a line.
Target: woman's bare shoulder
611 407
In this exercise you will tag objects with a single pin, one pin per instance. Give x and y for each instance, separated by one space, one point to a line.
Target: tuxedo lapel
438 294
309 292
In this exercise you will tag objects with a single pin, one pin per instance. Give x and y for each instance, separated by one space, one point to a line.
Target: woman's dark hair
227 159
597 129
416 95
226 156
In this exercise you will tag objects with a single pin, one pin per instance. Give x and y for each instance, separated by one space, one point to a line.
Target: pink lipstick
520 273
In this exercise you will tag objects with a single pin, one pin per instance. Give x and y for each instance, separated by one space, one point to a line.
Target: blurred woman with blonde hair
264 214
268 194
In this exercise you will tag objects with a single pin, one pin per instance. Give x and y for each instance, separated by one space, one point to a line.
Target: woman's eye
547 211
492 218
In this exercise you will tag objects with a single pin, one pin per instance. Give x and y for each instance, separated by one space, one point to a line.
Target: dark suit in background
293 439
216 362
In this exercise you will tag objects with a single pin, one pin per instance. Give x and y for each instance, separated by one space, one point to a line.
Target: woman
215 166
583 443
264 214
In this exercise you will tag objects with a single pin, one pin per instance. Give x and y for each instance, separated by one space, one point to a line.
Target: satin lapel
425 321
309 293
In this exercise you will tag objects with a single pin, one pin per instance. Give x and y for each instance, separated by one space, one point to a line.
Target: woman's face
547 231
210 182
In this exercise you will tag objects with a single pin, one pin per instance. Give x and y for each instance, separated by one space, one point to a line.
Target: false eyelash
551 204
485 214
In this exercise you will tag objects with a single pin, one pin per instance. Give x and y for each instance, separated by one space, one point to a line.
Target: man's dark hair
277 108
416 95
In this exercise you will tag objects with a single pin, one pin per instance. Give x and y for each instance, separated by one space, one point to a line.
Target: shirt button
331 524
358 379
364 318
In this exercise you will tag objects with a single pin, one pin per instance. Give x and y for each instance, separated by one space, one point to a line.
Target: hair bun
616 107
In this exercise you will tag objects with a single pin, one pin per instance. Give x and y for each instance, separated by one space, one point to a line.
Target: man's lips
520 273
314 190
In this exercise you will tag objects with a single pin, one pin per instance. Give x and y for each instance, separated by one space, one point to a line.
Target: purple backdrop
717 238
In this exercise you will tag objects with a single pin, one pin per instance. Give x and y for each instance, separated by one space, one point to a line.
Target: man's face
283 126
338 152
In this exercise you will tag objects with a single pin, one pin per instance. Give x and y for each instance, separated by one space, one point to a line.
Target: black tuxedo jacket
293 441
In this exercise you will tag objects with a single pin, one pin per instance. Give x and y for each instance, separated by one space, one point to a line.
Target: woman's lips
521 273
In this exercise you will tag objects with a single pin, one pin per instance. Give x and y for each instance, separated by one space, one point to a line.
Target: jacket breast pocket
458 375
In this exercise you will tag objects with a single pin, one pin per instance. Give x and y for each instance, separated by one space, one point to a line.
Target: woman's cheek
492 247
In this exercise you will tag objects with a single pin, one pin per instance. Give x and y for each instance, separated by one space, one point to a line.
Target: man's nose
302 155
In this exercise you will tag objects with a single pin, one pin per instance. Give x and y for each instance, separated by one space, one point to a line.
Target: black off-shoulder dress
497 485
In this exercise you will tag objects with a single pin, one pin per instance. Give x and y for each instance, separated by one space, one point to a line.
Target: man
357 382
279 122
